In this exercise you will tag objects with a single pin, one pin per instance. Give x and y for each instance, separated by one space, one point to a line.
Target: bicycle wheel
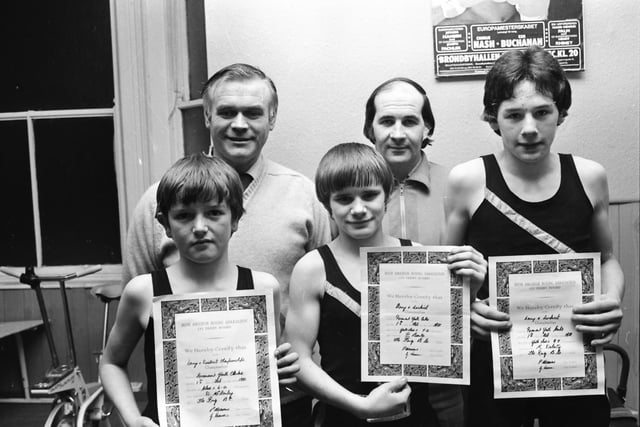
93 423
62 415
66 421
92 411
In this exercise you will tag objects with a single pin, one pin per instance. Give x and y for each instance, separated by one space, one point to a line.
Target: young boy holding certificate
353 182
199 205
527 200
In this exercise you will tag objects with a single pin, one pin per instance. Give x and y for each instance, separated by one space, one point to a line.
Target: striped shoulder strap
331 264
342 297
525 224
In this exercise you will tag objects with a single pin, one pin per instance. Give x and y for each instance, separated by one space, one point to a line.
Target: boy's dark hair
200 178
370 108
351 165
533 64
238 72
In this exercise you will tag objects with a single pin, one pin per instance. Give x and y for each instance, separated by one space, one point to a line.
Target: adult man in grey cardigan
399 122
283 218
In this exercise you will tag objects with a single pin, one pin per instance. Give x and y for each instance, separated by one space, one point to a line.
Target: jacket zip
403 225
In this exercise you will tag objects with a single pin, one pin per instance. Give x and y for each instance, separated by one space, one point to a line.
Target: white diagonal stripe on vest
525 224
342 296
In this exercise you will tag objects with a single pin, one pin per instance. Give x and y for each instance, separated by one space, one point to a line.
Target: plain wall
326 56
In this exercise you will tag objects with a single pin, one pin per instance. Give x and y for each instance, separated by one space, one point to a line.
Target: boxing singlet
339 341
161 286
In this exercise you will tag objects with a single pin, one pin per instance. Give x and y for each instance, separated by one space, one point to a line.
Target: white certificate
415 325
415 316
217 353
543 355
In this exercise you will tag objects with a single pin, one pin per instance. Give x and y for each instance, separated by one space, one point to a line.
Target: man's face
398 126
239 120
528 122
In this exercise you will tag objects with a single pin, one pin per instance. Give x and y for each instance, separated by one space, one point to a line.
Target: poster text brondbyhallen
469 35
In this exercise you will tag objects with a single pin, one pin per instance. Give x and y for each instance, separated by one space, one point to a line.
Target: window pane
194 132
16 216
77 191
196 42
60 55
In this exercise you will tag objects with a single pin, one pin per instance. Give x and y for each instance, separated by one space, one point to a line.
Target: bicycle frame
75 402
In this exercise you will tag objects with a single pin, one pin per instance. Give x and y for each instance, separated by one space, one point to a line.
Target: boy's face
240 120
358 211
398 126
200 230
527 123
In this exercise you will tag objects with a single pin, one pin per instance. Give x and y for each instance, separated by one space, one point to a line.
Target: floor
32 415
35 414
24 414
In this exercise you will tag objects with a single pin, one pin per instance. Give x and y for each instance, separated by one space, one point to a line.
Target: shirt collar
257 168
421 172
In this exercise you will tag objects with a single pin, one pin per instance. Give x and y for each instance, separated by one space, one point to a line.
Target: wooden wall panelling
95 316
54 309
31 310
84 327
87 314
11 382
612 363
624 220
630 260
13 305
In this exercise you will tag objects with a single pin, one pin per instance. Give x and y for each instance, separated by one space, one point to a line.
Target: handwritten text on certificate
545 342
217 379
415 314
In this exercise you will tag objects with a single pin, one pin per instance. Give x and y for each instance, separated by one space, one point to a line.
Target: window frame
151 81
151 89
149 45
30 116
109 272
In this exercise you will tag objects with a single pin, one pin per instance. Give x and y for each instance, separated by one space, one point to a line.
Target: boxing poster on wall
214 354
469 35
543 355
414 316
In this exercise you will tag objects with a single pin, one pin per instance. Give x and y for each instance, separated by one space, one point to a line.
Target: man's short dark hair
370 109
200 178
533 64
239 72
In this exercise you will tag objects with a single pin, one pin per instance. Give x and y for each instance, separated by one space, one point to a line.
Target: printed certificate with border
214 359
543 355
415 316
